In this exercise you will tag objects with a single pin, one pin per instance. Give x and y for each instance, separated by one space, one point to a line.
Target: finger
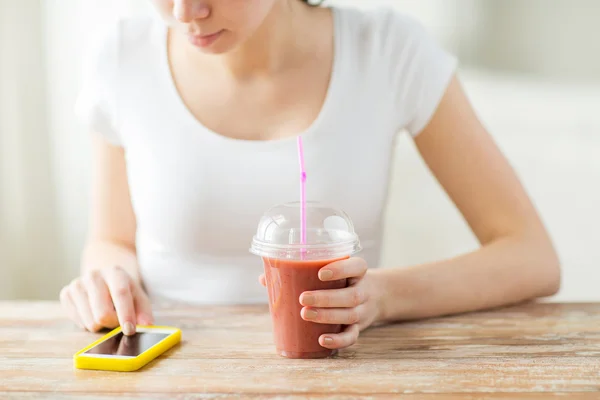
101 303
69 306
336 316
340 340
350 268
125 346
119 286
143 305
351 296
262 280
82 305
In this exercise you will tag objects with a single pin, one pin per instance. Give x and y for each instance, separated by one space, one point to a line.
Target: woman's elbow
548 271
552 278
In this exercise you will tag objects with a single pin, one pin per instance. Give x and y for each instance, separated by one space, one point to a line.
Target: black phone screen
130 346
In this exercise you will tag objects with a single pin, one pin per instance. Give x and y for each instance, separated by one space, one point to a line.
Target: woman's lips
204 40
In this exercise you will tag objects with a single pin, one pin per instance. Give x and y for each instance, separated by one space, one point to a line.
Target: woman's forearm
505 271
102 254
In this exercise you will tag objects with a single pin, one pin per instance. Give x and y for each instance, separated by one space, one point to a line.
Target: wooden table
532 351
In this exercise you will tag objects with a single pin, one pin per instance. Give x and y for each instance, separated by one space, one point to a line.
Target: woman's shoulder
399 58
118 42
122 49
383 25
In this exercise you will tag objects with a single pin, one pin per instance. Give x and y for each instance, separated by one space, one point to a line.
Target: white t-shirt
198 196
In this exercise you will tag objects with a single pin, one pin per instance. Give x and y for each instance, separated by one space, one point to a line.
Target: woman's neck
273 47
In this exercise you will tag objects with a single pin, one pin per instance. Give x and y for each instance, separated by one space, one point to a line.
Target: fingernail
308 300
128 328
310 314
325 274
327 340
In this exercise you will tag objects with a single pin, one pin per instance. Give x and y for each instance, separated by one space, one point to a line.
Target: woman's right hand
107 298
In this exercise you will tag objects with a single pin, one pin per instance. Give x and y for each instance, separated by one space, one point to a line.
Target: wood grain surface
530 351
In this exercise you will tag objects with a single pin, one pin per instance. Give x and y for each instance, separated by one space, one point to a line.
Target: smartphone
118 352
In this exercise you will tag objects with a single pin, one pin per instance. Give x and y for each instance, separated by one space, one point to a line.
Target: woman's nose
188 10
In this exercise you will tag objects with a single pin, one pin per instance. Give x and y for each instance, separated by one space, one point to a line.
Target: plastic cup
292 267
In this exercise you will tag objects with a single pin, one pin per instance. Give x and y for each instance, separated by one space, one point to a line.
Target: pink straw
302 192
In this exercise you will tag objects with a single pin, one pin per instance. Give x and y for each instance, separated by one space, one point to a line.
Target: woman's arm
516 261
109 292
112 227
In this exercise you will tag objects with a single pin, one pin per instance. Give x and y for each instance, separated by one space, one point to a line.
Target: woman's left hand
356 306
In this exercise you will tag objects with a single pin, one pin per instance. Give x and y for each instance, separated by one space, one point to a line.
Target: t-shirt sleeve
96 105
420 71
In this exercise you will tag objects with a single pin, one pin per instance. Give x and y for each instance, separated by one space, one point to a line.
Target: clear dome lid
329 233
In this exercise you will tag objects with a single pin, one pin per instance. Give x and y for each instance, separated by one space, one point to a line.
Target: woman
195 119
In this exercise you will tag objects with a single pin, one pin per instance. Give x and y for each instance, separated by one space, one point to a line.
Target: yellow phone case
82 361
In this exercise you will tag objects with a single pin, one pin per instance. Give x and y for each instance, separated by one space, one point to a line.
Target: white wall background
556 38
549 131
28 239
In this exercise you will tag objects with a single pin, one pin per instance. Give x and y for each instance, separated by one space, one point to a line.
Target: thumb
262 280
143 306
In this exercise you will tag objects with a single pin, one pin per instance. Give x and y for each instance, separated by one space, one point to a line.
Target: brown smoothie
286 281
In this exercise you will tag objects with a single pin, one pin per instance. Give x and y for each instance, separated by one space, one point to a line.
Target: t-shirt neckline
218 138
